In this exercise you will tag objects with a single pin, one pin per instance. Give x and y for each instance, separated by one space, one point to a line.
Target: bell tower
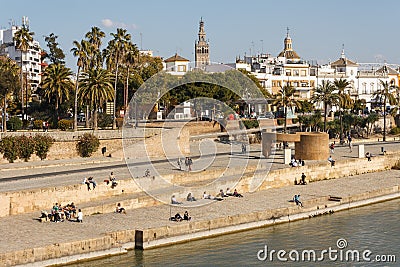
201 48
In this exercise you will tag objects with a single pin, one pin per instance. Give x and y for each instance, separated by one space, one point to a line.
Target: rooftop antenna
141 39
262 46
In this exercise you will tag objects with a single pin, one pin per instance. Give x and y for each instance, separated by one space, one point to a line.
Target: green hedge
65 124
14 124
13 147
250 123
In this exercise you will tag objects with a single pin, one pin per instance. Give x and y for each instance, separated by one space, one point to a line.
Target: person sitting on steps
120 209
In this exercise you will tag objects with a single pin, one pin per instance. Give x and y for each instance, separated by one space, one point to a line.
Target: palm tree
79 50
285 98
115 52
383 96
96 85
129 60
95 39
9 83
22 38
344 99
57 83
324 93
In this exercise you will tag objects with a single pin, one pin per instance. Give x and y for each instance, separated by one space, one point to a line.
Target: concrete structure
201 48
312 146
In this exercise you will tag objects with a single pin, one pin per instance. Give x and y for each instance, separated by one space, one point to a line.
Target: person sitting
174 201
120 209
236 194
190 197
228 192
91 181
295 164
220 195
113 180
186 216
331 160
206 196
87 182
178 217
44 216
296 199
368 156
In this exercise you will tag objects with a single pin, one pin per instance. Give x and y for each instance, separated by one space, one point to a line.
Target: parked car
267 115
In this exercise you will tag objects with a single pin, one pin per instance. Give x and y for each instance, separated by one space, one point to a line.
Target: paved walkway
23 231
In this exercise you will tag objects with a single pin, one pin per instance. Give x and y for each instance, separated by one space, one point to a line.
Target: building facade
31 59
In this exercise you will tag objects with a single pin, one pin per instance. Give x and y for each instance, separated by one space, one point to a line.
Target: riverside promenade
23 232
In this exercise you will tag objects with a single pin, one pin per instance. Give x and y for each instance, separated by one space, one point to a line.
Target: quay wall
43 198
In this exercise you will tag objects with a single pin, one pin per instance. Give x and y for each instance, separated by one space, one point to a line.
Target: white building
31 59
176 65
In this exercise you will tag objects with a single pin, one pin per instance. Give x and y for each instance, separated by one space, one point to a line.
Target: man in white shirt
80 216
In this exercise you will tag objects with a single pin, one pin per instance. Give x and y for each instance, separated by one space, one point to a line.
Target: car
267 115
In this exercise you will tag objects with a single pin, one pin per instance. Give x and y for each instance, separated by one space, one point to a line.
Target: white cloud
109 23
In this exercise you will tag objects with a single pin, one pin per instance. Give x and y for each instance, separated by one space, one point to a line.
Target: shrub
65 124
395 130
104 120
295 120
280 121
25 147
250 123
7 147
37 124
42 145
87 145
14 124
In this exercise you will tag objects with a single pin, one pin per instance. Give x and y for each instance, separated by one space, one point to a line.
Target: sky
234 28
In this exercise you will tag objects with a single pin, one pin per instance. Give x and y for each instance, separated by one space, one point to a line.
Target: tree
56 55
80 51
324 93
9 83
385 95
115 52
285 98
57 83
345 100
95 85
94 55
22 38
130 60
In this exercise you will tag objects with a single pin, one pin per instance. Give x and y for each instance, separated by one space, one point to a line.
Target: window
296 73
364 88
303 73
181 68
288 73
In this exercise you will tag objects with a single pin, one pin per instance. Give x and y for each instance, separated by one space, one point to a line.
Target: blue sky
318 28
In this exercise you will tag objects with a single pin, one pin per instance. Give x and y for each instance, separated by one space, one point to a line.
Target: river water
374 228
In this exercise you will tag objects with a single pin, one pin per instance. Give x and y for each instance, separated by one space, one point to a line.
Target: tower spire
287 31
202 56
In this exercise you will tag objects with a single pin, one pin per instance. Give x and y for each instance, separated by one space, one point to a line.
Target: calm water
375 227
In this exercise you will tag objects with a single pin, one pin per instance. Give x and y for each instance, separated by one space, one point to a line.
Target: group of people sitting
221 195
112 180
89 181
296 163
179 218
61 213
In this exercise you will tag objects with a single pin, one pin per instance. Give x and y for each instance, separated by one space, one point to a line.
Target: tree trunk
95 118
76 100
5 114
325 111
284 123
384 119
114 126
22 89
87 117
